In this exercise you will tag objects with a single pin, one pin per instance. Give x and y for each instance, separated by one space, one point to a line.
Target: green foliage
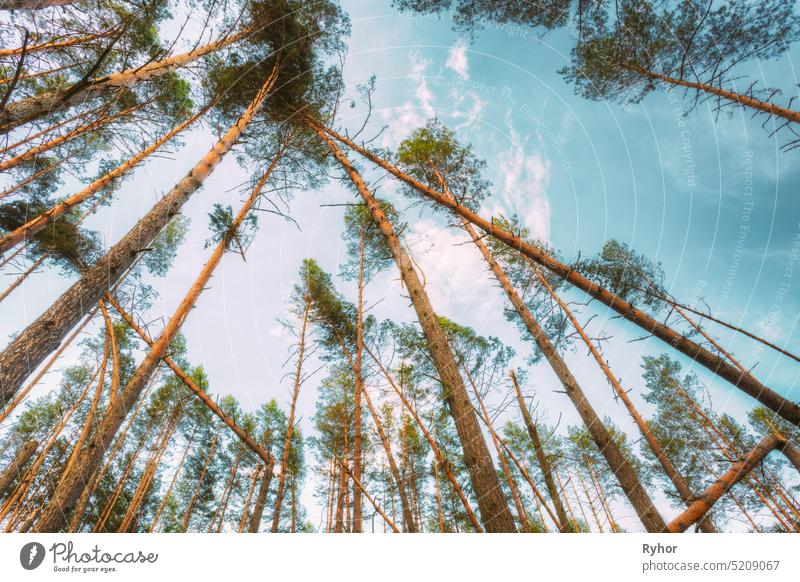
631 276
433 155
470 15
691 40
358 222
164 248
223 229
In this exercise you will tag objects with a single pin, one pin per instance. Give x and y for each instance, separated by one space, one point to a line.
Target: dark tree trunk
14 469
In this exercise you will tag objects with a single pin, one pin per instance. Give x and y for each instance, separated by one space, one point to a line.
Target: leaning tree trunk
41 149
36 106
541 458
738 471
261 500
494 510
39 222
67 492
718 365
190 508
53 44
408 518
620 466
14 470
743 100
358 519
32 4
666 463
42 336
431 441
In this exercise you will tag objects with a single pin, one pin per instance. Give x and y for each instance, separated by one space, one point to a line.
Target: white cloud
523 177
450 264
457 59
412 113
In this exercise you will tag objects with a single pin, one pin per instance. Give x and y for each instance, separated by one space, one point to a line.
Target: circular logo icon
31 555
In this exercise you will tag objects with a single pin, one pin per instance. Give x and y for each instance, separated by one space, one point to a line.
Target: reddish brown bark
42 336
493 507
718 365
738 471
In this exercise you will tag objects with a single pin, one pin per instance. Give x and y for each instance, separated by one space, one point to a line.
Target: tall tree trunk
718 365
246 509
10 406
287 441
67 493
14 469
669 468
294 505
226 495
620 466
522 515
100 525
541 458
42 336
149 474
52 44
19 280
431 441
34 107
261 500
32 4
87 423
369 497
168 492
30 474
359 388
491 502
39 222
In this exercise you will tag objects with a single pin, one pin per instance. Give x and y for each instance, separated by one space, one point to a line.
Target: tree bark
619 465
39 222
743 100
261 500
408 518
62 139
718 365
42 336
431 441
669 468
32 4
14 469
31 108
491 502
187 517
541 458
738 471
359 388
287 441
67 492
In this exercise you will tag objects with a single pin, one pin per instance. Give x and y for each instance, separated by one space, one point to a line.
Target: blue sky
710 196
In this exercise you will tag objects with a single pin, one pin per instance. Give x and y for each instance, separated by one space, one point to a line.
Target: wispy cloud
523 176
449 264
457 59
